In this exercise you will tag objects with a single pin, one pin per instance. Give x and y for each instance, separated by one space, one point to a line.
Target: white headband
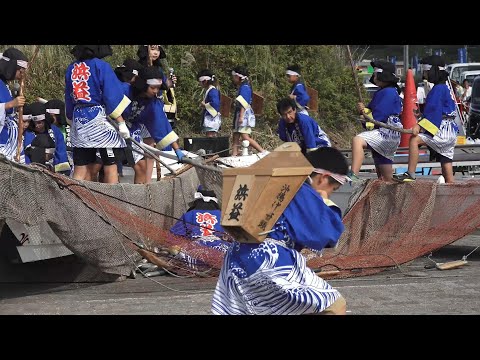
203 78
199 195
243 77
53 111
21 63
154 82
290 72
342 179
378 70
426 67
34 117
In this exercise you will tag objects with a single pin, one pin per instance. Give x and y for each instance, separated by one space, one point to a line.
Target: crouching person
272 277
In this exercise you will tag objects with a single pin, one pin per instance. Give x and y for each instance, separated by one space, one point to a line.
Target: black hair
140 85
242 70
56 104
328 158
207 72
142 54
284 104
435 75
200 204
295 68
8 68
36 108
85 52
125 71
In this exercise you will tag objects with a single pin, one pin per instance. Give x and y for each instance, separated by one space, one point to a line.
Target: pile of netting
114 226
109 226
387 225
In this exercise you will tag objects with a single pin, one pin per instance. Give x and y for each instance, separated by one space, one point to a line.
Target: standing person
310 220
127 73
437 129
152 55
297 127
243 117
385 106
13 64
212 120
298 92
93 92
147 109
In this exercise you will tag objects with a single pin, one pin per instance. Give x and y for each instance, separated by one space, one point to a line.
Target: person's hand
180 154
174 79
416 129
360 107
202 103
291 96
123 130
18 101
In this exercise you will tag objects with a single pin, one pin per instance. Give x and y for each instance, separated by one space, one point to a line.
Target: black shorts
86 156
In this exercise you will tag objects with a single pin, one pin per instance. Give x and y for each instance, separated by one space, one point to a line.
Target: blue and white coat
60 158
211 116
439 121
93 92
8 125
305 131
244 99
301 97
386 106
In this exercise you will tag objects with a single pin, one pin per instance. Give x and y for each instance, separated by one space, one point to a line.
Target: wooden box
313 102
254 197
258 103
225 105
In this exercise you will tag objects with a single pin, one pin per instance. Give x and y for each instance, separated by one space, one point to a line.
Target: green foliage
324 67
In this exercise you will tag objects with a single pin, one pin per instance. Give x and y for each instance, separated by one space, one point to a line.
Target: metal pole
405 61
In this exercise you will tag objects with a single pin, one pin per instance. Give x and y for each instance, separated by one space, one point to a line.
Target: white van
469 76
455 70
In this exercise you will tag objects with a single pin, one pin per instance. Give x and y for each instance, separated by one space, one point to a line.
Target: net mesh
113 226
390 224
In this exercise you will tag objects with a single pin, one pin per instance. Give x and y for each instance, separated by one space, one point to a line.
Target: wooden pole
360 97
20 108
355 76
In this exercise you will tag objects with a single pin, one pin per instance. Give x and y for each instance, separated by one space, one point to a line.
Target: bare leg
211 134
110 174
447 172
252 142
235 143
80 172
415 141
358 146
385 172
149 165
93 170
140 169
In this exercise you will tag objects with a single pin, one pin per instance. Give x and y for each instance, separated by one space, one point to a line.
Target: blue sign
462 55
393 60
415 63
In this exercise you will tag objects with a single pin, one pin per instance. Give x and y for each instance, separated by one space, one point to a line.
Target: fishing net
113 226
390 224
106 225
